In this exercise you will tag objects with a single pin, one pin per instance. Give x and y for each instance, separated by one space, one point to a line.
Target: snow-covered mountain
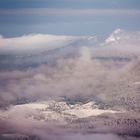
123 36
52 48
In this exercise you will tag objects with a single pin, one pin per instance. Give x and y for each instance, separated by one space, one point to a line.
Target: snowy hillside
58 111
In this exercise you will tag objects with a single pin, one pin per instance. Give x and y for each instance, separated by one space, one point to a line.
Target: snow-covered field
58 110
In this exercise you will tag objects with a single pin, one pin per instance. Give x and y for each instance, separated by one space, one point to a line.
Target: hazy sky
68 17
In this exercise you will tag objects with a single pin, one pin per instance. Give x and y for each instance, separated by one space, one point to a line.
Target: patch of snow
110 39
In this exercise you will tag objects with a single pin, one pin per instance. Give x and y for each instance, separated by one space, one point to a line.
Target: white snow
56 111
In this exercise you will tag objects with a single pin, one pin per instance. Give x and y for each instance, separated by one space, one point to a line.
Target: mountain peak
117 31
123 36
115 36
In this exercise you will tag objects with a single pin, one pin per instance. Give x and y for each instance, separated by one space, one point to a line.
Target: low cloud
81 76
85 75
34 42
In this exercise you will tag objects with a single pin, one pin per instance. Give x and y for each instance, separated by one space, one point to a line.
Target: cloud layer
106 72
83 74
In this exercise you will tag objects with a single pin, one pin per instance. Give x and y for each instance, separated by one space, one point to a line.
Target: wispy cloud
68 11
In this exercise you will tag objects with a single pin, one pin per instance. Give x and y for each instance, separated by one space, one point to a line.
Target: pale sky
68 17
